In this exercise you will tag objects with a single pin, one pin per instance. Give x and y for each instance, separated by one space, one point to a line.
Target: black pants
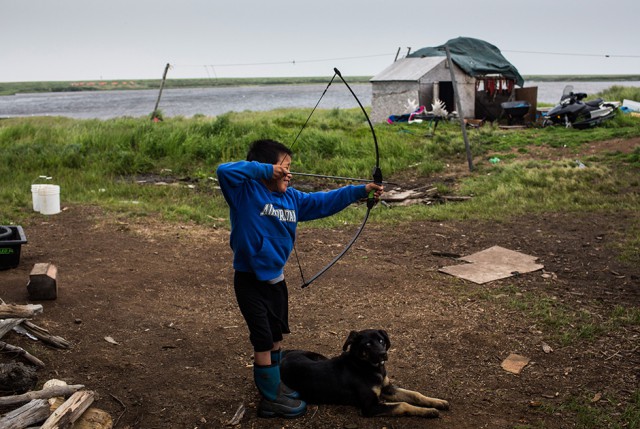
265 308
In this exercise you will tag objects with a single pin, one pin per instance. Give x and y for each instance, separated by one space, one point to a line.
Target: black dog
356 377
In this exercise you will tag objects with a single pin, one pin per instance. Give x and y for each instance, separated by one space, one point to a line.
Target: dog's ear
386 338
350 338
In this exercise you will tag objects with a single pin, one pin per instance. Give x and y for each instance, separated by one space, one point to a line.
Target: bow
376 178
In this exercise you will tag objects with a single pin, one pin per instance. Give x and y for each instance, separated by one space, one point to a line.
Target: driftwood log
421 195
12 311
6 325
46 393
19 351
29 414
45 336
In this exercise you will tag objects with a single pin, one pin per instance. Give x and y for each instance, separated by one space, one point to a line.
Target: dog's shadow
357 377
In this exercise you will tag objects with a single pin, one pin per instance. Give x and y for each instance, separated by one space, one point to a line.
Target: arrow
340 178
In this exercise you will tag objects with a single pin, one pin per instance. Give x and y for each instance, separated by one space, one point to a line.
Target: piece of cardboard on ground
493 263
514 363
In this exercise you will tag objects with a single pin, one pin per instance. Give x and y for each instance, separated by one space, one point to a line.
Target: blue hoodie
263 223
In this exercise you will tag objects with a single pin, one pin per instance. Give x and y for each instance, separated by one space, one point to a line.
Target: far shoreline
12 88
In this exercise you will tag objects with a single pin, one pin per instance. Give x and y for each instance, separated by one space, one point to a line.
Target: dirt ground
164 294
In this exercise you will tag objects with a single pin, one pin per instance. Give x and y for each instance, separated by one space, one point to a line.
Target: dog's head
370 345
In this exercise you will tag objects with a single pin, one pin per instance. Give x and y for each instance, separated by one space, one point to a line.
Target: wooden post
456 95
164 78
42 282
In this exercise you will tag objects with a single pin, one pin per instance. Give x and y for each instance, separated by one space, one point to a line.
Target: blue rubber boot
274 403
276 357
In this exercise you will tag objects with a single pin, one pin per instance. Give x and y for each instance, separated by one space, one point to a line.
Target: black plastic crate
11 240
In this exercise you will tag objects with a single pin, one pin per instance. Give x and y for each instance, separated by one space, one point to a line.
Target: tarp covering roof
476 57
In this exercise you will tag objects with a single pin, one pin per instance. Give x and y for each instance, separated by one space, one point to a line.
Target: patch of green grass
564 323
505 190
608 413
627 243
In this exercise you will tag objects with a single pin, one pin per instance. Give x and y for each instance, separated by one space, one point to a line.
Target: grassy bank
582 78
112 163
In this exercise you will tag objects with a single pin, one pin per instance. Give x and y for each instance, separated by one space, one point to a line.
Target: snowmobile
572 112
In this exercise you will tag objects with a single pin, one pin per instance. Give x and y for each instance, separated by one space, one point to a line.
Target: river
216 101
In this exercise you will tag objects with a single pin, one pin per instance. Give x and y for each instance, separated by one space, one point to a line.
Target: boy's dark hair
267 151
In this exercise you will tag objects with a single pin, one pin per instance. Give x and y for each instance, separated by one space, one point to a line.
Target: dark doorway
446 96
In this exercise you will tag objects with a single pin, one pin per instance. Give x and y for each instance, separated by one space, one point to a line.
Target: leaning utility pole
164 78
456 95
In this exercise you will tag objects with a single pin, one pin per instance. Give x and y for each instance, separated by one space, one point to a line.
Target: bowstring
313 110
295 250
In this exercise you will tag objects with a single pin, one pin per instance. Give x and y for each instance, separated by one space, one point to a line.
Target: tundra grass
110 163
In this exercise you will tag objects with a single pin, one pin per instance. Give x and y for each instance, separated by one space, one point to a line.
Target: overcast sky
134 39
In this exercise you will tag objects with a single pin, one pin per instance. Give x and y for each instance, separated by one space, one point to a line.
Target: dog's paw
430 413
441 404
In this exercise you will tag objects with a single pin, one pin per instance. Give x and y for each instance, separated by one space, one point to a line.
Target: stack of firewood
56 405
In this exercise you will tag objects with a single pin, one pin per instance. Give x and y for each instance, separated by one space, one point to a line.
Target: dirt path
183 360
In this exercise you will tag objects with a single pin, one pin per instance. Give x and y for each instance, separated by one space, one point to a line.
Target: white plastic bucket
35 198
49 199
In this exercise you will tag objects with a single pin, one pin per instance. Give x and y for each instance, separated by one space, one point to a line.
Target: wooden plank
93 418
66 414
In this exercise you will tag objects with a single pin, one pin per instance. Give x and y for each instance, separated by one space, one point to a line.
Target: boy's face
281 185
